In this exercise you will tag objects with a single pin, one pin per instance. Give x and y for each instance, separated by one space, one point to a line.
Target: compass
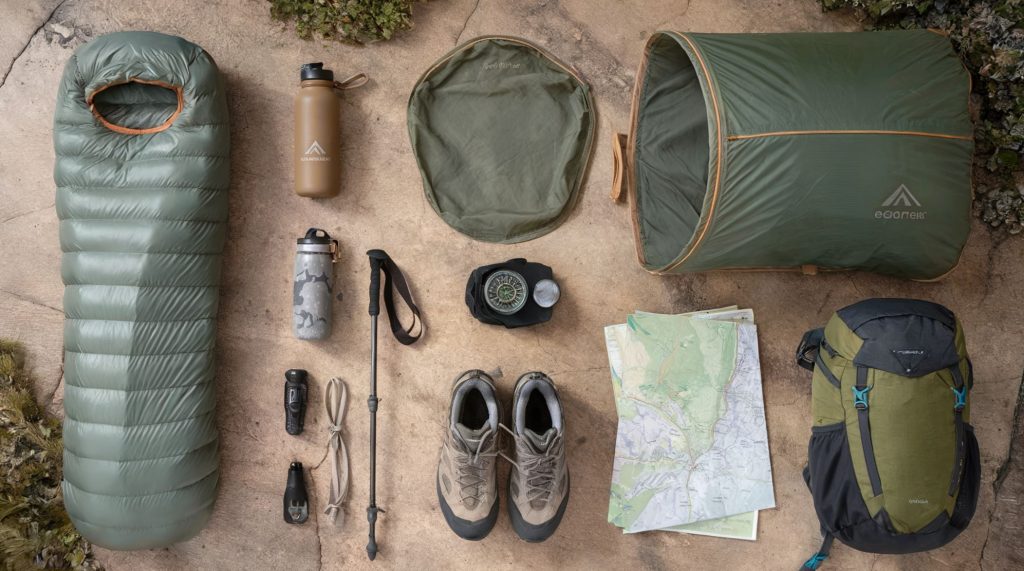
506 291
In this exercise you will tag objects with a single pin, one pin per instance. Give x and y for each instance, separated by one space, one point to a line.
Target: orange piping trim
718 161
850 132
791 269
128 130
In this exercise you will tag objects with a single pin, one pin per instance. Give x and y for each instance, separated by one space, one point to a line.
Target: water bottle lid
315 71
315 236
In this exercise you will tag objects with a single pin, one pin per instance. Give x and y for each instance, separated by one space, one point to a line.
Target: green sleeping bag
141 139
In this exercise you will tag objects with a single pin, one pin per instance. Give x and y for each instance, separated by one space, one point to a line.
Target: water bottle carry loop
353 82
319 233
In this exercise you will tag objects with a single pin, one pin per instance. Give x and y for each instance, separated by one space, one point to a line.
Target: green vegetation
35 531
989 37
353 21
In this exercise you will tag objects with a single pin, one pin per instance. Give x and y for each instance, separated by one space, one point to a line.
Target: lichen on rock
35 531
353 21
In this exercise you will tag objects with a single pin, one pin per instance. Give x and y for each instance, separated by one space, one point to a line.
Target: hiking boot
538 484
467 476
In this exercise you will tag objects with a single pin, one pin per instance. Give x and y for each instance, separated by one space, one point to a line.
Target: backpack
893 464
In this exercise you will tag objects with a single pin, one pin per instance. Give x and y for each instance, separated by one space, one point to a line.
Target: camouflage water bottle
313 284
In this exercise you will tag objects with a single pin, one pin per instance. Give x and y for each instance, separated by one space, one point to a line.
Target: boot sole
529 532
468 530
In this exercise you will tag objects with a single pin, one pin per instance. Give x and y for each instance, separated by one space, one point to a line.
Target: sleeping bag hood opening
136 106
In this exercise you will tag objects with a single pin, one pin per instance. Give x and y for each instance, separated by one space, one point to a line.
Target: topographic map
692 448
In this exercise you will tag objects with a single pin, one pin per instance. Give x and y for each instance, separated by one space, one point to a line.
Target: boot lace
471 463
537 470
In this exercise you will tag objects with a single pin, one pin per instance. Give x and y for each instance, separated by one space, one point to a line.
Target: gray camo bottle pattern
313 284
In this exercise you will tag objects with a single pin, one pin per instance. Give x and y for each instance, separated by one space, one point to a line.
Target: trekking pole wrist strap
394 280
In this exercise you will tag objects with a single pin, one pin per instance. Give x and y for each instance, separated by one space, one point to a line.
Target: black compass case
530 314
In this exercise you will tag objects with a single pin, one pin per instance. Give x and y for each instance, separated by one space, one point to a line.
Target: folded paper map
692 448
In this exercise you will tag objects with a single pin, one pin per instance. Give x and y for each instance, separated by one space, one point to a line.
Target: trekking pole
371 510
394 281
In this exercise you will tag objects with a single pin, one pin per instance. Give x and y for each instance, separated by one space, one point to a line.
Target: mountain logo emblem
315 149
902 197
901 205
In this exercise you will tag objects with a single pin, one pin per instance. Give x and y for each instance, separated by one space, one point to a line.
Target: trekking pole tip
371 545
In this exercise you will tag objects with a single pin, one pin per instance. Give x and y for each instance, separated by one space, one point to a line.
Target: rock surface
381 205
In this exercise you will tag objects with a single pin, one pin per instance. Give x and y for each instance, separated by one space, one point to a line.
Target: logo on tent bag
501 65
901 205
315 152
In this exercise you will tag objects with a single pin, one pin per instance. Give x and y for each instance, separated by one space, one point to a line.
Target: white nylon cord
335 398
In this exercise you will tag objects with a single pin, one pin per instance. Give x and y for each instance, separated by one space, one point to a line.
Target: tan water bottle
318 131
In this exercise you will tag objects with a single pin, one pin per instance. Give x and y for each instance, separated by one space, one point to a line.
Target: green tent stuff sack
502 134
800 151
142 141
893 464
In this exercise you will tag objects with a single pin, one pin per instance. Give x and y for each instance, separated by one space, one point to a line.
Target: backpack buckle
815 561
960 395
860 397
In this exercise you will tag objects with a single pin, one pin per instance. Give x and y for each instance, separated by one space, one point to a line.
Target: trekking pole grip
377 258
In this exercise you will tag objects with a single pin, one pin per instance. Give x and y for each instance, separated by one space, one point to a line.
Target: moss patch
35 531
353 21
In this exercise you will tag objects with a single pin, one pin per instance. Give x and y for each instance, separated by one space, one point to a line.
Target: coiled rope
336 398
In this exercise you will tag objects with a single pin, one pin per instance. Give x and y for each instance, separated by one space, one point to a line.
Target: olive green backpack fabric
502 134
142 142
809 151
893 464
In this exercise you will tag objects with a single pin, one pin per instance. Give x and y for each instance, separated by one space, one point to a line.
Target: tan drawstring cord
336 398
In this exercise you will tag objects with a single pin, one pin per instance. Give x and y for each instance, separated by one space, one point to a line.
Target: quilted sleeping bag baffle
141 139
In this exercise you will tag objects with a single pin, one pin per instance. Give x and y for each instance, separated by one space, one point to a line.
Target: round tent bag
502 134
808 151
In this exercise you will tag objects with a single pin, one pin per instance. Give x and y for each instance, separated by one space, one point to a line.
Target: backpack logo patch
315 152
909 359
901 205
918 500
